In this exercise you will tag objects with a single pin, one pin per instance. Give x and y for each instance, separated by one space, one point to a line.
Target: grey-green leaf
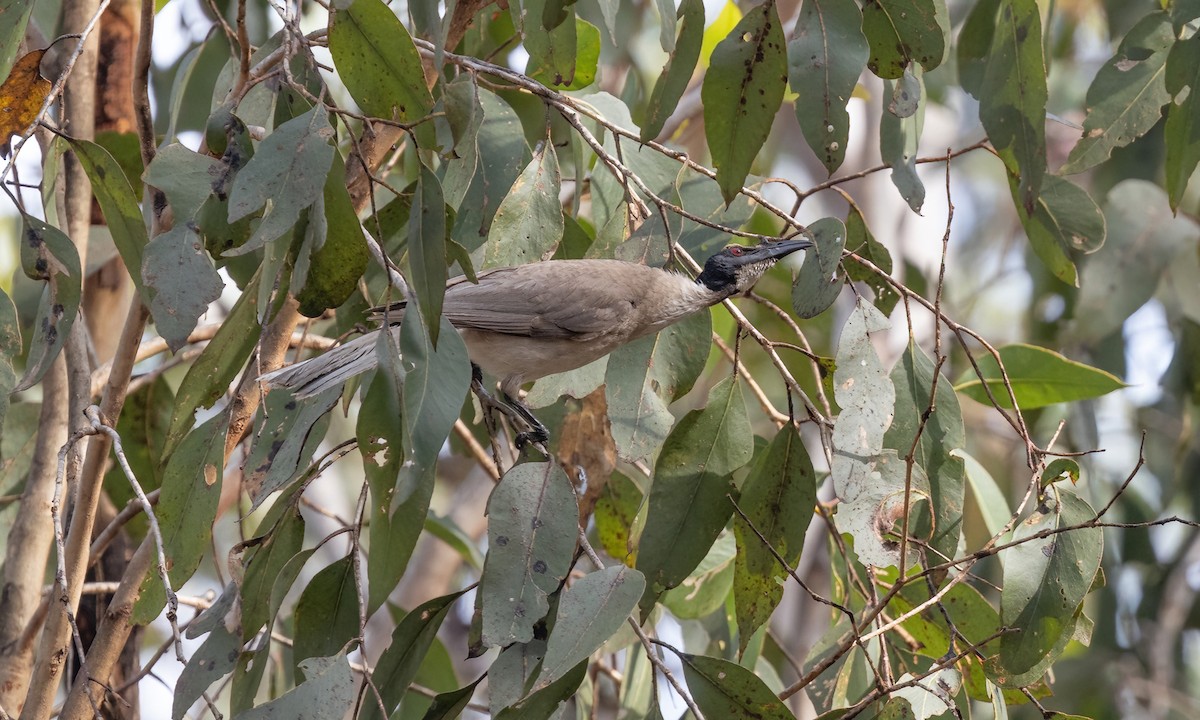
327 692
284 177
677 71
688 506
898 140
398 665
47 254
939 434
590 611
326 615
184 281
778 499
1045 581
1183 117
213 660
532 529
187 506
427 250
725 689
529 223
1012 96
903 32
1126 98
820 279
826 54
742 91
1143 237
1065 220
378 61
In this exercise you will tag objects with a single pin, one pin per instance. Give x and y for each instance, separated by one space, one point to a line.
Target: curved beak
777 250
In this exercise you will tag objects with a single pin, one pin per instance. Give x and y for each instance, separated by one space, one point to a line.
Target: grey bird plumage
525 322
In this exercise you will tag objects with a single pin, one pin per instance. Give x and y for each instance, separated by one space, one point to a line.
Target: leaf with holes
826 54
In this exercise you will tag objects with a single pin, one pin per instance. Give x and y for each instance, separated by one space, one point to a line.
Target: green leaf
10 347
47 254
1143 240
186 510
1058 470
677 70
741 93
941 433
974 44
327 692
434 388
12 32
209 377
1183 126
450 705
551 53
688 506
376 58
647 375
820 279
1012 97
1039 377
898 140
1125 99
1045 581
326 615
1065 219
529 223
573 56
615 512
501 141
590 611
862 242
545 703
213 660
185 177
286 435
337 264
826 55
532 530
778 499
285 176
988 497
184 282
119 205
707 587
427 250
724 689
279 545
411 640
902 32
448 531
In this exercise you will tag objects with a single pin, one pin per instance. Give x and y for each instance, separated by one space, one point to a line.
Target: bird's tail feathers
330 369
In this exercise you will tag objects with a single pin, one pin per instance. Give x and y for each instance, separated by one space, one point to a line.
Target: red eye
735 251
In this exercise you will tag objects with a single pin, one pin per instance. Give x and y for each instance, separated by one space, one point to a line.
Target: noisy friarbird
525 322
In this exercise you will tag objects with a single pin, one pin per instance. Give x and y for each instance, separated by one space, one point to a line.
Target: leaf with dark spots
49 255
534 508
749 60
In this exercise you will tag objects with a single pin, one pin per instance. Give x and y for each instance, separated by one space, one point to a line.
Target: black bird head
736 268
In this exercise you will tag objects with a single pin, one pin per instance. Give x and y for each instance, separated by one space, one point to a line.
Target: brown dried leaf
21 97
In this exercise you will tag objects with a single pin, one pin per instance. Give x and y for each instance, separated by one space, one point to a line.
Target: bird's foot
537 434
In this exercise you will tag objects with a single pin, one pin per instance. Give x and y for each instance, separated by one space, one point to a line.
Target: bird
525 322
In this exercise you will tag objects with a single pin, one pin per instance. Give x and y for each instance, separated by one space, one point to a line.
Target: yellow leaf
724 24
21 97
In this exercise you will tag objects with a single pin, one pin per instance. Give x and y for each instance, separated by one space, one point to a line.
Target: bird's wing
556 299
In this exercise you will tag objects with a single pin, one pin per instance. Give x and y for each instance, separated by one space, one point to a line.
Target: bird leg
514 410
537 432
